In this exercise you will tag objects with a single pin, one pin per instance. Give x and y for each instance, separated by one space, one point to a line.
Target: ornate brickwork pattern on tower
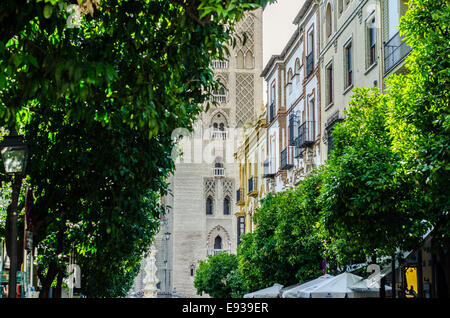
244 98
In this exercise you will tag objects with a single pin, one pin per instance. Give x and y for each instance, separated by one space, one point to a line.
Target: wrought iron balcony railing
395 50
269 168
298 151
287 158
252 185
306 134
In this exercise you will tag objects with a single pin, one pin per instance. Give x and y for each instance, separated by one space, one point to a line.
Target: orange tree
284 248
97 98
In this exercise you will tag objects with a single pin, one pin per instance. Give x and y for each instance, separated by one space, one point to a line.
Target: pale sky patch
278 27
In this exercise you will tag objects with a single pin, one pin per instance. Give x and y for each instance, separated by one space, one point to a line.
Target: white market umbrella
337 287
370 287
269 292
304 290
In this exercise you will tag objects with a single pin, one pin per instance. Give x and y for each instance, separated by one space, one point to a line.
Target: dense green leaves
97 96
419 117
284 248
369 208
218 277
386 183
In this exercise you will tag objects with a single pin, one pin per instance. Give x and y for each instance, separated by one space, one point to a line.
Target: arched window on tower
240 59
209 206
226 206
218 243
220 94
219 170
219 127
249 60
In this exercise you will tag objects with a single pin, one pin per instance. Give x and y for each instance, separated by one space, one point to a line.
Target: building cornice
341 29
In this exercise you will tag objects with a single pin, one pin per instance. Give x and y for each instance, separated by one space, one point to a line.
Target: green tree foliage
98 99
369 207
218 277
284 247
419 120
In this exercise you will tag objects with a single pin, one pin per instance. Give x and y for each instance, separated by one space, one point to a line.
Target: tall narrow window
310 42
372 42
310 56
209 206
240 228
289 81
272 93
240 59
348 65
311 135
328 21
297 71
226 206
249 59
329 84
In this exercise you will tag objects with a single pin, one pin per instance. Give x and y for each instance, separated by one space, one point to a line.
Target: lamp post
167 236
14 152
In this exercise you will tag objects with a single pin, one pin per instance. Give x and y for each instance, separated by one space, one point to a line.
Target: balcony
213 251
269 168
298 151
287 158
306 134
239 199
219 134
253 186
219 172
217 64
271 112
219 98
395 50
309 64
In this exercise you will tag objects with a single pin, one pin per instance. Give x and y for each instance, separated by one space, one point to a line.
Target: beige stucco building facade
251 155
350 57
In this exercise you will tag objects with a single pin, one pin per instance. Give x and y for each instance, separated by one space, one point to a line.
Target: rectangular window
310 56
329 83
240 228
310 42
348 65
372 43
272 93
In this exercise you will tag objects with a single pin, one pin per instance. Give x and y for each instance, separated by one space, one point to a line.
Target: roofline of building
303 11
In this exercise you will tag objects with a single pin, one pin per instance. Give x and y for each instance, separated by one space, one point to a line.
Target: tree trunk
59 280
419 274
53 268
47 280
394 283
